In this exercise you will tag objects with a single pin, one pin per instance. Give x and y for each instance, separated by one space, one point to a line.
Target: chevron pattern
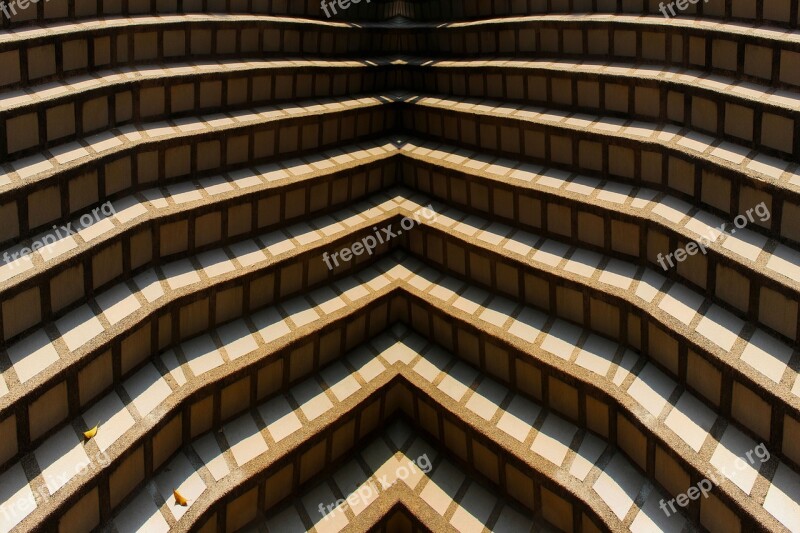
420 265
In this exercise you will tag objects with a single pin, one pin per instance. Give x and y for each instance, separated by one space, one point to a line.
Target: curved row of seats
760 55
769 12
743 114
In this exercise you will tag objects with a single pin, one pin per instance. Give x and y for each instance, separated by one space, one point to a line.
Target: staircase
422 265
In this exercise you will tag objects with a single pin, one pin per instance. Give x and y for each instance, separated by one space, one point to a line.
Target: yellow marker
179 499
91 433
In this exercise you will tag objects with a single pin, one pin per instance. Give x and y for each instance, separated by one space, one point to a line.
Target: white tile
518 418
181 476
237 339
643 198
118 303
30 166
629 360
215 263
156 197
432 364
147 389
486 399
510 521
202 355
271 325
769 166
340 381
442 487
149 285
397 351
596 354
696 141
730 152
651 389
583 263
79 327
471 300
279 417
785 261
681 303
174 368
583 185
287 521
208 451
747 244
327 300
140 516
61 457
112 417
720 327
214 185
184 192
554 438
651 517
730 458
614 192
180 274
783 497
16 266
618 485
588 453
528 324
650 285
562 339
705 225
691 420
69 152
457 381
32 355
60 247
300 312
520 243
366 364
103 141
498 311
244 178
473 510
767 354
248 253
672 209
17 497
312 399
551 253
244 439
351 479
93 231
619 274
332 522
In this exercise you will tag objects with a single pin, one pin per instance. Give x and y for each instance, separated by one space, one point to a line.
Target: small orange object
91 433
179 499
